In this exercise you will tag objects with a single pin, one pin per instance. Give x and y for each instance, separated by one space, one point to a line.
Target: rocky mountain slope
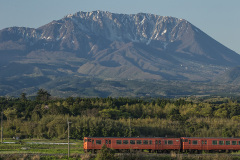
111 46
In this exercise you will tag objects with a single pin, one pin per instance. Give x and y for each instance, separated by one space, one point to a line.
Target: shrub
106 154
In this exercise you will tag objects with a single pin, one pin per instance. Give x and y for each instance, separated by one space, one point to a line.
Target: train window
159 142
125 141
132 141
221 142
186 140
238 142
227 142
170 142
150 141
109 142
92 141
139 141
189 141
119 142
89 140
156 142
165 142
205 141
98 142
234 142
194 142
85 140
106 141
145 141
202 141
214 142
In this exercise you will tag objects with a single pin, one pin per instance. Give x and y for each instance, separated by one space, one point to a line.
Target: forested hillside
46 117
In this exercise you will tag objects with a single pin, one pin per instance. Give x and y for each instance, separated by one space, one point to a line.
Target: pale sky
219 19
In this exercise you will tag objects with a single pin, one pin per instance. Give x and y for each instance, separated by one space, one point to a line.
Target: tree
222 113
10 113
110 113
23 96
42 95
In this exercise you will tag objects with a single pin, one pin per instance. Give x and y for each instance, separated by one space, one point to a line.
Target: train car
122 144
197 144
191 144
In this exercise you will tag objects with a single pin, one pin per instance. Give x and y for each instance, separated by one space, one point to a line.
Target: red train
162 144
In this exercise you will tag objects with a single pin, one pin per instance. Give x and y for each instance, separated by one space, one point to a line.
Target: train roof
130 137
213 137
172 137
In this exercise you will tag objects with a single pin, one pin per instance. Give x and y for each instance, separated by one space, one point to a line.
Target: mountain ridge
111 46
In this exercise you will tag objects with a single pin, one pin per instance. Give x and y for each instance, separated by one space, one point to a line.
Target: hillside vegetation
46 117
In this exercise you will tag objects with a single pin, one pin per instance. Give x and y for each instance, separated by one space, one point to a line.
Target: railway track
142 155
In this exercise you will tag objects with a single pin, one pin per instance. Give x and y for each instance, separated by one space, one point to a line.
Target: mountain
110 46
231 76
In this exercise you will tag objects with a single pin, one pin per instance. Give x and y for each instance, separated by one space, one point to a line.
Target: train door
203 144
108 143
181 144
158 145
93 143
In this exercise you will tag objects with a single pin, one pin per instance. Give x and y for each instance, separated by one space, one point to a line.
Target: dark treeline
46 117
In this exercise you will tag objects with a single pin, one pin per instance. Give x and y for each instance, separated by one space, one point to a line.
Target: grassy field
42 148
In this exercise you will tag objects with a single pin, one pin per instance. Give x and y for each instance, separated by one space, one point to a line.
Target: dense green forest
46 117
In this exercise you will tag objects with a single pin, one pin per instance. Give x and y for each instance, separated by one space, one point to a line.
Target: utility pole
68 138
130 126
2 127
